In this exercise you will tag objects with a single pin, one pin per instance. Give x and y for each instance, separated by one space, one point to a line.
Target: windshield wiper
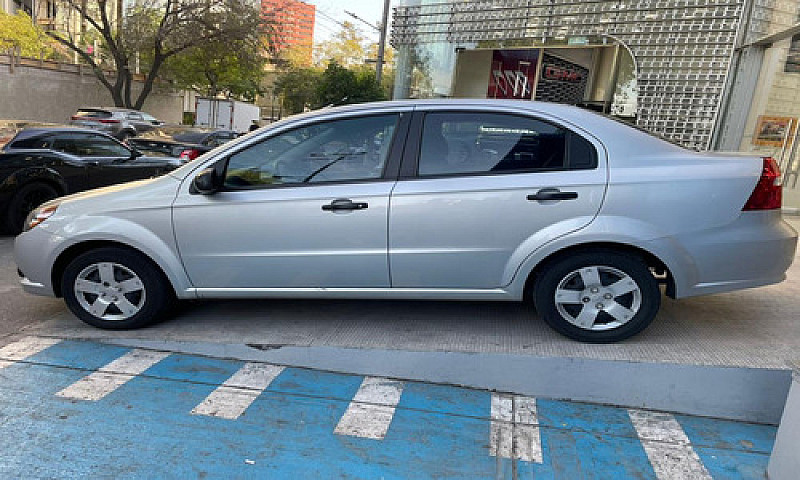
324 167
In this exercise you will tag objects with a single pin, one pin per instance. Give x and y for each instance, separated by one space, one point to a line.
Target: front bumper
35 252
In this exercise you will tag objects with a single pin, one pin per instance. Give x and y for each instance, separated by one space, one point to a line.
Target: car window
33 142
98 146
463 143
340 150
148 118
135 116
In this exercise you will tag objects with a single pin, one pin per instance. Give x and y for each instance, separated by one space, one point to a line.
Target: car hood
138 195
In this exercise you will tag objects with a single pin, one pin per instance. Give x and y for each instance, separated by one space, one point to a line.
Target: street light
382 41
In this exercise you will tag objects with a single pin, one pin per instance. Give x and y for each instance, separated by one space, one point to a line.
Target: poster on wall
513 73
774 131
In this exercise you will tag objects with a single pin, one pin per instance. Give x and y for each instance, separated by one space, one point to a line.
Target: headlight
39 215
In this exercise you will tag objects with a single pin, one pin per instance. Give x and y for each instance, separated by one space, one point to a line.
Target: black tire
27 198
597 303
151 297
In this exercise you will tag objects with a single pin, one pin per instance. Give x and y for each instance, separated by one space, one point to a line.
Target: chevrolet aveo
457 200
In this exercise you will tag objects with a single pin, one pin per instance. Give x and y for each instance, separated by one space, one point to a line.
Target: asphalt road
18 309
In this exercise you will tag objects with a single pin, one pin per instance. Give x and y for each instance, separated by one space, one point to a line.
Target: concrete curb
745 394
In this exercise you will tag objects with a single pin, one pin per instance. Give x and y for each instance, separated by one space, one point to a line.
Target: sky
331 11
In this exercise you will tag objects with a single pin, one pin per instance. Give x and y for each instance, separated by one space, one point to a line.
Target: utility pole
382 42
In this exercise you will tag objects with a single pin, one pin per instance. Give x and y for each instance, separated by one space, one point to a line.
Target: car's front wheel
599 296
27 198
115 288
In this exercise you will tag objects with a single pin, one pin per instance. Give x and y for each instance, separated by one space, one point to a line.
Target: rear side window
34 142
475 143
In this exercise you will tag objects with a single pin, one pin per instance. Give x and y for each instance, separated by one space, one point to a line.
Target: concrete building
43 12
292 23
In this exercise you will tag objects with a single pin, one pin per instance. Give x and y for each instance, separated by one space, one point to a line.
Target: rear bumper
753 251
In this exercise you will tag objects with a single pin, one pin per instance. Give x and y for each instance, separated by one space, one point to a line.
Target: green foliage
339 85
297 87
19 31
346 48
214 70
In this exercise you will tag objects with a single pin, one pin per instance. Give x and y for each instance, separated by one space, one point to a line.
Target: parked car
446 199
9 128
40 164
179 141
122 123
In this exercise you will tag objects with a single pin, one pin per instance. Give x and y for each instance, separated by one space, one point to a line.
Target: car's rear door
304 208
480 190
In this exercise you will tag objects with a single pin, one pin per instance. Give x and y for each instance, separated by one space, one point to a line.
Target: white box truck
225 114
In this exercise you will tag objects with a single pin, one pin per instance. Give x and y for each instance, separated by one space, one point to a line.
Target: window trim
410 167
390 167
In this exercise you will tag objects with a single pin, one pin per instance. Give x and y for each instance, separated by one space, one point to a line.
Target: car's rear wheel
599 296
115 288
27 198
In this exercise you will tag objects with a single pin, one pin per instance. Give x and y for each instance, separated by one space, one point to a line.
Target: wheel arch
73 251
650 259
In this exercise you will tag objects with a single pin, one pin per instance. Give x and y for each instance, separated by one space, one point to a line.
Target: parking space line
372 409
24 348
232 398
514 429
97 385
667 446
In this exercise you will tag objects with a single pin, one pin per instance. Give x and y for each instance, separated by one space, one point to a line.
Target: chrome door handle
344 204
552 194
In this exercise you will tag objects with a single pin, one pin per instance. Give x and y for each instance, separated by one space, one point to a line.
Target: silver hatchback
458 200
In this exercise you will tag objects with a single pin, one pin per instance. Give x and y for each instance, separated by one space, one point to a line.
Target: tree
346 48
214 70
19 31
154 31
297 87
339 85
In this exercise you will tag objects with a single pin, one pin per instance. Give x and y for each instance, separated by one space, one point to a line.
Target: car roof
37 131
109 109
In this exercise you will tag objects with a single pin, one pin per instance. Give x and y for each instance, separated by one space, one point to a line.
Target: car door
301 209
481 190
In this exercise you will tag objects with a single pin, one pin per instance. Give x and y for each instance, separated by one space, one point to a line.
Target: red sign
559 74
513 74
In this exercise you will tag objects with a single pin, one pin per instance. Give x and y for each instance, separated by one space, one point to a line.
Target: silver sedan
462 200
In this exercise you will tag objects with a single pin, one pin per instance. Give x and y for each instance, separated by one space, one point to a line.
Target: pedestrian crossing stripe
24 348
97 385
232 398
372 409
514 429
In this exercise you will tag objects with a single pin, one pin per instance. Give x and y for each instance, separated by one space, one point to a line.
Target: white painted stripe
372 409
667 446
233 397
514 429
24 348
107 379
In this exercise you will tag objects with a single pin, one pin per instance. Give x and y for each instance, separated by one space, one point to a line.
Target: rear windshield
93 113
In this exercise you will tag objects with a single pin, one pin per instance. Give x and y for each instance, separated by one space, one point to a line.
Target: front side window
475 143
339 150
98 146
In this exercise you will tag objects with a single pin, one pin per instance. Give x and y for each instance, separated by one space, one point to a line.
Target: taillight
74 117
105 120
768 194
189 154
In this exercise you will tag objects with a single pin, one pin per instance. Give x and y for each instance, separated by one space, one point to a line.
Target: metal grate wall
682 48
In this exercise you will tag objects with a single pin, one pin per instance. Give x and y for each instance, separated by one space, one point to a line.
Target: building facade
699 72
291 25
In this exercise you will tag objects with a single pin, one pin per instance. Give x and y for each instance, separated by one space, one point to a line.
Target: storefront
668 65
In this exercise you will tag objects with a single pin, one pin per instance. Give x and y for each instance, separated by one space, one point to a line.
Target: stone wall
51 92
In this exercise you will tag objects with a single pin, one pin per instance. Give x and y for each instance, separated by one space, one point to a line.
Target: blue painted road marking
144 429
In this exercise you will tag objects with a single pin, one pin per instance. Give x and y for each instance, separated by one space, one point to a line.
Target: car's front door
484 191
304 208
110 162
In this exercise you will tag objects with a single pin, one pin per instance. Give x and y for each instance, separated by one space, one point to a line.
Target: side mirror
205 182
